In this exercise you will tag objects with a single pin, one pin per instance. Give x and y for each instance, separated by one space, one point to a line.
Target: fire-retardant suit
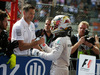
60 51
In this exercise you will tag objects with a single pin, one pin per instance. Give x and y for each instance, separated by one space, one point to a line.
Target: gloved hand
35 52
12 61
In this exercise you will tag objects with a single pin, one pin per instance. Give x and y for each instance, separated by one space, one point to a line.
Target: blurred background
77 10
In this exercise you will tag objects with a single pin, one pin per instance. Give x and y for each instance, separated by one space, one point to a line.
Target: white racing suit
59 54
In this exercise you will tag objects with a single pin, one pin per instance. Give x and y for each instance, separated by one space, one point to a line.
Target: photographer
82 46
6 47
46 33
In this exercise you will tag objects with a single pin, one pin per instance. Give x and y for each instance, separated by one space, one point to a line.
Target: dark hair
26 7
2 15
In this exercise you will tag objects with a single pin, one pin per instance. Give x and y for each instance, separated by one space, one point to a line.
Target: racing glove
12 61
35 52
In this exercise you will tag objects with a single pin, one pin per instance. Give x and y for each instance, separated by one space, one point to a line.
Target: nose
83 29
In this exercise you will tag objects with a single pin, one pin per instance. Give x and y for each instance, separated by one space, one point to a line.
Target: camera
88 38
39 33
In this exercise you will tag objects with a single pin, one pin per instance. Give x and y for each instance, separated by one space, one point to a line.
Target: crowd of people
79 9
54 42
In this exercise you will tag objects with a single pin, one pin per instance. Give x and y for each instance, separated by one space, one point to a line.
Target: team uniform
59 54
22 31
60 49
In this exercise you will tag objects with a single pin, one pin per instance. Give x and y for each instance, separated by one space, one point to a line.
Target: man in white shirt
24 31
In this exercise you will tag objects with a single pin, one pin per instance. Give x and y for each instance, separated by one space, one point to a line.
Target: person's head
61 25
28 12
82 27
47 24
3 20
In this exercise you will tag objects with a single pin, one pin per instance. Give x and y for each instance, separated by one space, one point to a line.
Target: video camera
88 38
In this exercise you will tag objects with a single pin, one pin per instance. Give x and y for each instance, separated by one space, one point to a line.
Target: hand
96 38
35 52
41 41
12 61
39 33
97 41
82 40
88 44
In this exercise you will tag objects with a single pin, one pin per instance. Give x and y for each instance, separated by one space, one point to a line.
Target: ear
23 12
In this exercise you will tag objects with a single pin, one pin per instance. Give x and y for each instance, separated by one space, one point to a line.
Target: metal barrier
72 71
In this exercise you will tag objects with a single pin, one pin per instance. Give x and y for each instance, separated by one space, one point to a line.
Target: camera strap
84 51
77 35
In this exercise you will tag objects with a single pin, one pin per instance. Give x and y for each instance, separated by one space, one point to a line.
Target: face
4 24
47 25
29 15
81 29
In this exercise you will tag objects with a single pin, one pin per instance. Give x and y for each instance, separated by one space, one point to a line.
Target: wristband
43 45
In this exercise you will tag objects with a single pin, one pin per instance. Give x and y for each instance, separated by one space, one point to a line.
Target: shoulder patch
18 32
58 41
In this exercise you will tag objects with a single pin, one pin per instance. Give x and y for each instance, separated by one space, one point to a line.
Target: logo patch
18 32
58 41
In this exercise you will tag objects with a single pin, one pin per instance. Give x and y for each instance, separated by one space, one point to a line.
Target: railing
72 70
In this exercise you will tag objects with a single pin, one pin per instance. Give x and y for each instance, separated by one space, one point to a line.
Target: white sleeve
33 27
55 52
46 48
17 33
